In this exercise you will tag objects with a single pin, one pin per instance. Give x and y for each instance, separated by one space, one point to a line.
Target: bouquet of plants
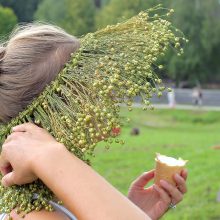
82 105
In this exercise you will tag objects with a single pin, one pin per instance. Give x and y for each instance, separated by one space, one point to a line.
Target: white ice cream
170 161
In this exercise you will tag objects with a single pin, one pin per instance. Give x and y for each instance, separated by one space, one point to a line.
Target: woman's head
29 60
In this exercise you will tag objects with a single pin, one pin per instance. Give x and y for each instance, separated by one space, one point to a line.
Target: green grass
178 133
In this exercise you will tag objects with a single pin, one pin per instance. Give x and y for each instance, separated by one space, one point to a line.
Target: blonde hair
29 60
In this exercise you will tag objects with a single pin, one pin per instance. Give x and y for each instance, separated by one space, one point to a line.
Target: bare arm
83 191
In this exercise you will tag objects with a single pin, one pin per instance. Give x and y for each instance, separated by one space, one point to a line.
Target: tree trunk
97 3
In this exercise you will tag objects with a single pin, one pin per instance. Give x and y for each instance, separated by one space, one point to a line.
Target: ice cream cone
166 167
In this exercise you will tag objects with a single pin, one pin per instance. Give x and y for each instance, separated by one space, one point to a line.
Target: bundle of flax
81 106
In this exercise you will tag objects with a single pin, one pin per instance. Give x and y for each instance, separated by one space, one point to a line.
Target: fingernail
156 187
184 171
177 176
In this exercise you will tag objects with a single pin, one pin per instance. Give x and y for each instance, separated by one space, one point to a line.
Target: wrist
46 159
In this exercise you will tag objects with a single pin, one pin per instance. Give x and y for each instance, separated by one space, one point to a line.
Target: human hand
155 200
21 150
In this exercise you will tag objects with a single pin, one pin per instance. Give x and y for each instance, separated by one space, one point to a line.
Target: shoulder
40 215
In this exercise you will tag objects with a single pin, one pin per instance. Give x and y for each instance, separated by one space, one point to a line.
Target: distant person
171 99
197 96
200 97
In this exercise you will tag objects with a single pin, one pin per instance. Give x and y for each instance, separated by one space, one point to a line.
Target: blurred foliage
23 9
104 2
114 11
7 21
75 16
98 3
198 19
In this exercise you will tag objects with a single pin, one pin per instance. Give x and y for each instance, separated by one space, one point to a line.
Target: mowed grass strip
178 133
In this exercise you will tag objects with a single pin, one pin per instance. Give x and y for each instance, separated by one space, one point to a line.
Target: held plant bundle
81 107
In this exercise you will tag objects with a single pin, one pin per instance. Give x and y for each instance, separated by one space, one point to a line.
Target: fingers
142 180
163 194
24 127
170 193
6 169
17 132
181 183
4 163
184 174
171 190
12 136
8 179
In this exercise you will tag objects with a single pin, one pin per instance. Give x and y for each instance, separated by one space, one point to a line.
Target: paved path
184 97
184 107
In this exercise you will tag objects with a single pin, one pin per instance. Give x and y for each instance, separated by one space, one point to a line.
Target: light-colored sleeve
3 216
45 215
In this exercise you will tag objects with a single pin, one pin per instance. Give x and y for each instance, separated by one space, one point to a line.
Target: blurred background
186 122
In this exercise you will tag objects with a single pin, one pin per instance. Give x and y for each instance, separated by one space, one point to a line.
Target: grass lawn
178 133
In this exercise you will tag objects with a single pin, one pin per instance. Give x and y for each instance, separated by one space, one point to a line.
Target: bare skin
83 191
155 200
33 153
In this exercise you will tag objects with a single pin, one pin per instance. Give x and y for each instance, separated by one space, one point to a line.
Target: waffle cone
166 172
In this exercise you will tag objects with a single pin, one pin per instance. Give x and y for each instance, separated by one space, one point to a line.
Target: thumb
142 180
8 179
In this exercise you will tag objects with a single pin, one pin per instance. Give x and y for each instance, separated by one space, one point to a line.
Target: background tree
23 9
7 21
199 21
114 11
211 40
75 16
104 2
98 3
